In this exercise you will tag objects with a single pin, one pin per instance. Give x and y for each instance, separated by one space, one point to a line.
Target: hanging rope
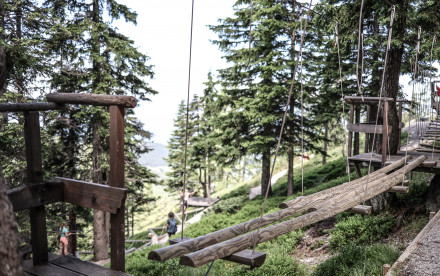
430 83
342 98
250 34
187 116
302 120
390 33
282 126
359 77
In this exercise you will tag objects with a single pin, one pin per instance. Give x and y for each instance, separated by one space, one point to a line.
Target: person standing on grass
63 238
171 224
185 196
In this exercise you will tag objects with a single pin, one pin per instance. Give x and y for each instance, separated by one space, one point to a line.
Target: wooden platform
67 266
431 165
201 202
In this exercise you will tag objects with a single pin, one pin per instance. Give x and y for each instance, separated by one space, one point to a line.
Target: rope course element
187 115
255 234
430 81
360 38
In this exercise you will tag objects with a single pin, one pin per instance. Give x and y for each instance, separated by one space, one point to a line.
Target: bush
356 260
361 230
231 205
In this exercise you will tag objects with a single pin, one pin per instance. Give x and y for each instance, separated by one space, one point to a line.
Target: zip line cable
187 117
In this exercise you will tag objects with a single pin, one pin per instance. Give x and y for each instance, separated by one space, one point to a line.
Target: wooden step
361 209
399 189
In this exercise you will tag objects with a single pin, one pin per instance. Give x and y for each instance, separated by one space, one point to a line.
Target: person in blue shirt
171 224
63 238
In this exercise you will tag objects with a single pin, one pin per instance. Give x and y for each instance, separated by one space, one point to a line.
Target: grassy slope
353 259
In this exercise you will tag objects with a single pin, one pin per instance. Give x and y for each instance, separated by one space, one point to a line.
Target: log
399 189
367 128
91 195
361 209
373 176
128 241
326 210
34 195
92 99
21 107
296 206
428 150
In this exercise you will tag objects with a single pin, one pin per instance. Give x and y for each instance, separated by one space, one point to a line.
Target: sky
163 33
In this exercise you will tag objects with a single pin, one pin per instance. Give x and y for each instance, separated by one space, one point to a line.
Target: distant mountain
155 158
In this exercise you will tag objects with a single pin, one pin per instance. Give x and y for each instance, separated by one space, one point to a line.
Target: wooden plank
45 269
92 195
200 201
430 145
34 195
361 209
117 220
399 189
427 150
92 99
85 268
324 210
21 107
366 128
429 164
247 257
195 210
34 172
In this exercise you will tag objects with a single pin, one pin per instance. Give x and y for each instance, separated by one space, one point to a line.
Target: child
185 196
171 224
63 238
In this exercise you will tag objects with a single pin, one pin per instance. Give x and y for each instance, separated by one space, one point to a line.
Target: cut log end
187 261
155 257
361 209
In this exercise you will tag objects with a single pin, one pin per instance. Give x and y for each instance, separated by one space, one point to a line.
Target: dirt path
256 191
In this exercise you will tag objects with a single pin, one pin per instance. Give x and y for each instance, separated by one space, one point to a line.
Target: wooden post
400 120
367 135
350 134
384 132
356 134
34 172
117 242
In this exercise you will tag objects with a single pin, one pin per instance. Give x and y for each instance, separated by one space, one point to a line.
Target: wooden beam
34 195
357 99
399 189
92 195
34 172
323 211
21 107
367 128
117 181
92 99
128 241
361 209
179 240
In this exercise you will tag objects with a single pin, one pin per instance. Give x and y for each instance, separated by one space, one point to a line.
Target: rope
302 121
430 83
342 98
187 115
393 11
250 34
282 128
209 268
359 78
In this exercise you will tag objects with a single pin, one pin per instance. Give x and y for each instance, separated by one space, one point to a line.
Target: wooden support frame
92 195
22 107
367 128
34 195
117 220
92 99
34 173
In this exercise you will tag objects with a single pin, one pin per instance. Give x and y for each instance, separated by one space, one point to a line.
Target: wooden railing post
367 135
117 180
34 172
350 134
400 120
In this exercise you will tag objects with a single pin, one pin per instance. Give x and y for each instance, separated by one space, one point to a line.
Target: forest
277 106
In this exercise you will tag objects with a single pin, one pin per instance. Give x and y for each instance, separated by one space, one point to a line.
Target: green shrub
231 205
361 230
356 260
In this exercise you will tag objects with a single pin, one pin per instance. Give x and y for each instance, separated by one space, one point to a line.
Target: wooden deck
67 266
431 165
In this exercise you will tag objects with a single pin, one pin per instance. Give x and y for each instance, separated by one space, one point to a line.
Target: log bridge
235 241
37 193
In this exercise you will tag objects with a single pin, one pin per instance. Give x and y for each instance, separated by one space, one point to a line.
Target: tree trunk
9 257
391 84
324 156
243 176
356 134
265 174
